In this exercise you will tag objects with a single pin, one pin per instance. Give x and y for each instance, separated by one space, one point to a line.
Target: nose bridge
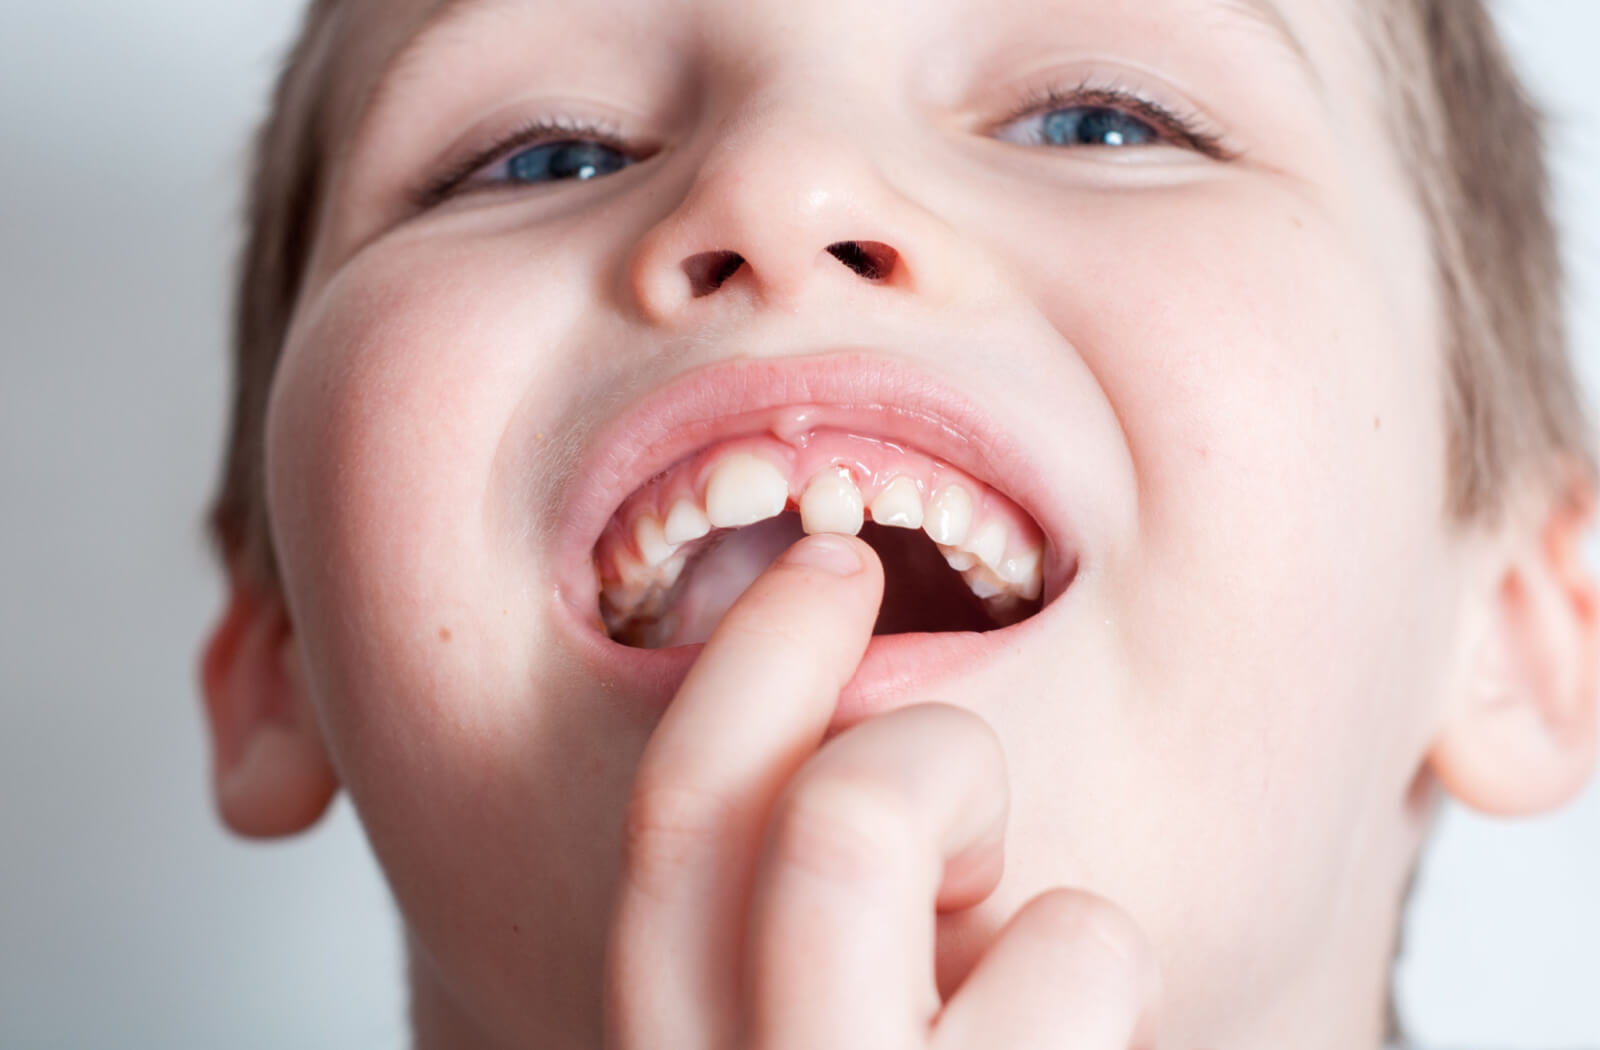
789 190
785 167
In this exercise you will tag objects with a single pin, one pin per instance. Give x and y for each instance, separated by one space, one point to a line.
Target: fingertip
825 586
833 553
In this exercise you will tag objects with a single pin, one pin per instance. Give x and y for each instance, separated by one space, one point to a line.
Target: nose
781 210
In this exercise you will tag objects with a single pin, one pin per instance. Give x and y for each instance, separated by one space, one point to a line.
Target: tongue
721 573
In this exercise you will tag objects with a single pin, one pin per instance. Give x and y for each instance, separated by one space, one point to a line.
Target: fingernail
832 554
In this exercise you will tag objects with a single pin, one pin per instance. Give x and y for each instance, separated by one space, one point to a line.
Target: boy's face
1203 361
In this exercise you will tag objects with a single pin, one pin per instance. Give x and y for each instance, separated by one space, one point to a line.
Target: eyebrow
1269 15
445 13
442 15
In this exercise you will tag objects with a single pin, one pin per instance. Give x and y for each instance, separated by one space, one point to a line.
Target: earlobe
270 769
1523 740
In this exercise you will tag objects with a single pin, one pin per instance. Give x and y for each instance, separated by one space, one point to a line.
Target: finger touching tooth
744 489
831 503
899 505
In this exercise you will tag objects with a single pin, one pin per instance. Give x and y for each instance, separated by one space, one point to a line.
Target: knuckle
665 827
849 832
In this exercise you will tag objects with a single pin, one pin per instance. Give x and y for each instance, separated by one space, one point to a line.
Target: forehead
375 42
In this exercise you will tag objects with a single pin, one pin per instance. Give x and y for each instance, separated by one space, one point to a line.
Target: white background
127 918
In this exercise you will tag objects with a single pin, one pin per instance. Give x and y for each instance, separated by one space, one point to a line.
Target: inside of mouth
921 592
957 556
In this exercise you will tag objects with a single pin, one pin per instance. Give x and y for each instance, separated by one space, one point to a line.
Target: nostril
873 260
708 270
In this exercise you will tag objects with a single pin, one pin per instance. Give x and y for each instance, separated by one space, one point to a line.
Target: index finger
755 705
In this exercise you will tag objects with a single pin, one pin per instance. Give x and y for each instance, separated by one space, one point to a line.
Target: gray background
127 917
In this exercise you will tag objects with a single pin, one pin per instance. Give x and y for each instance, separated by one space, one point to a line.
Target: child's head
1253 312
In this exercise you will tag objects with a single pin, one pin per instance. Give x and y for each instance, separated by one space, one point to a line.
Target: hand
778 892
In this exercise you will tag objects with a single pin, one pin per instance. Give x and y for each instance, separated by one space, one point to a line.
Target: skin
1215 777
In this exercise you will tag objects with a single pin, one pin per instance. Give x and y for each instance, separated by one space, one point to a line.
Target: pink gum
871 462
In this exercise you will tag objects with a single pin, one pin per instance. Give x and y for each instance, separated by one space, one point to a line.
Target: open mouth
958 554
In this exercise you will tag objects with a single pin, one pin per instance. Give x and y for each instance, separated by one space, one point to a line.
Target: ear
270 770
1522 739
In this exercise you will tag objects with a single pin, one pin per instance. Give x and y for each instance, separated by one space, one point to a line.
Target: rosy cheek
404 464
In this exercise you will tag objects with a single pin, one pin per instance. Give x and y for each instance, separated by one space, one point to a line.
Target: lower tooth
984 583
831 503
1007 609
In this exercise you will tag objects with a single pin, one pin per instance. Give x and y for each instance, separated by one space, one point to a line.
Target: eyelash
1186 130
533 133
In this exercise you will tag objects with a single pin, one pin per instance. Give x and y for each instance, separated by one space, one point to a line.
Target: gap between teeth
744 489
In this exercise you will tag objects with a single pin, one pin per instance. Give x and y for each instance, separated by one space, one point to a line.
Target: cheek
404 480
1283 617
1285 428
403 393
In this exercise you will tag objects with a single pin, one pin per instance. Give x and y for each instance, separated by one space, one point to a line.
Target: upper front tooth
653 545
899 504
744 489
988 542
686 522
831 503
949 516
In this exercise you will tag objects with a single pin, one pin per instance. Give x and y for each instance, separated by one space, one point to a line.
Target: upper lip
870 393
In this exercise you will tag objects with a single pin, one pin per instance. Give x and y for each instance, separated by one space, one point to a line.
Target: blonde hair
1461 121
1475 144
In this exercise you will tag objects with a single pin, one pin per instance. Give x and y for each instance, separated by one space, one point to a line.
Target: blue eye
1107 117
1096 126
555 161
540 153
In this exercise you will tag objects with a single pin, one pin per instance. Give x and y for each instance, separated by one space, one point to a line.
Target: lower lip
896 671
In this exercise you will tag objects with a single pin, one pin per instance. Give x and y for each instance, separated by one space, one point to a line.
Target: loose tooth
949 516
958 559
653 545
744 489
988 542
686 522
899 504
831 503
